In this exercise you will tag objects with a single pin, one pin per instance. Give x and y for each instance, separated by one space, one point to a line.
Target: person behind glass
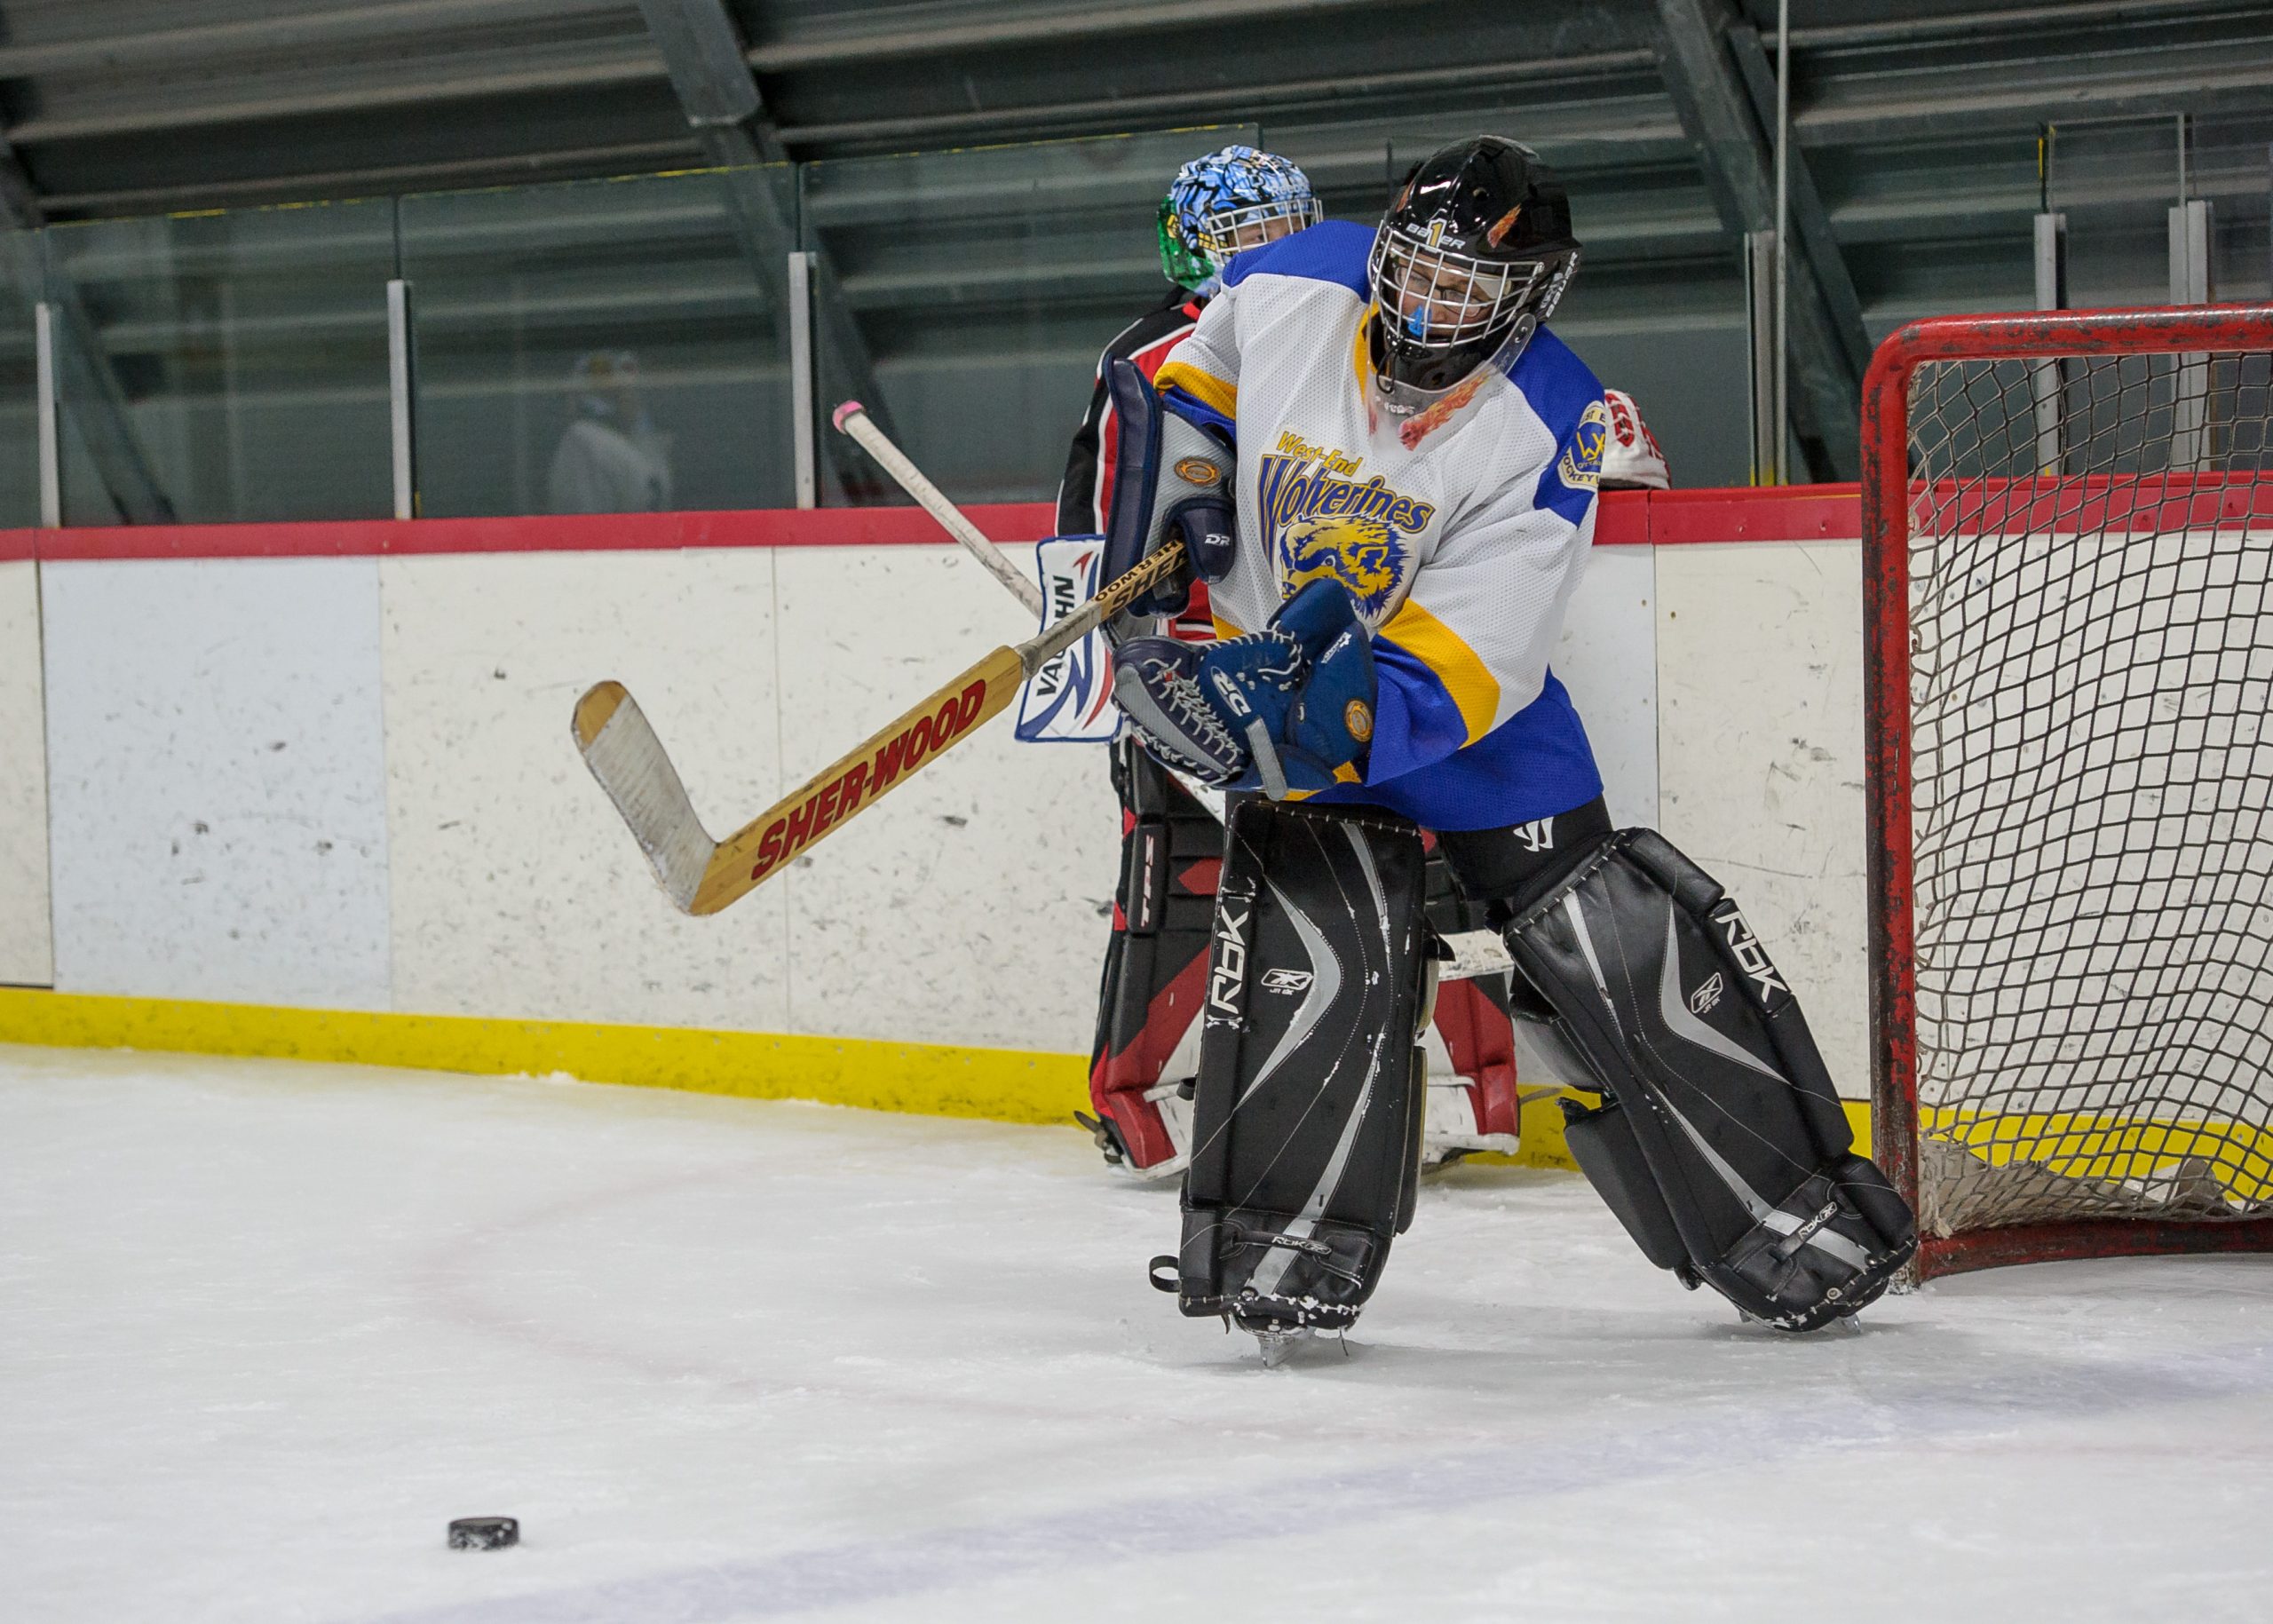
611 459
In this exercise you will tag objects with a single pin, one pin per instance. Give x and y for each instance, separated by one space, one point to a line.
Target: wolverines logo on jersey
1325 524
1365 555
1580 467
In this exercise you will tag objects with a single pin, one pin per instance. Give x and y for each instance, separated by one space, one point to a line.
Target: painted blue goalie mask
1232 199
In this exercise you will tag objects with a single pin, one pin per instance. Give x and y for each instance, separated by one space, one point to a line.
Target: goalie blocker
1307 1115
1720 1142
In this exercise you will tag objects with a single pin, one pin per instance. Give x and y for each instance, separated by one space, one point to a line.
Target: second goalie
1385 465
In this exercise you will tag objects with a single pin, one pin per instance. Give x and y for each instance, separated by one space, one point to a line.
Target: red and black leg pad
1156 963
1306 1124
1720 1142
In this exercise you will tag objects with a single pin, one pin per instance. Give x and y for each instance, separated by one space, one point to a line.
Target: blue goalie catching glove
1277 710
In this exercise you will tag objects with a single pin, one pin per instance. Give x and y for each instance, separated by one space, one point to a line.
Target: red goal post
2067 524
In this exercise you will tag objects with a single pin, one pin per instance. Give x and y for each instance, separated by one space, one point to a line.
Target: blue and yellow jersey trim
1218 395
1459 670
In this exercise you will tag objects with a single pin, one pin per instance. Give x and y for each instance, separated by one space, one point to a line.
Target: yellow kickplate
930 1079
1002 1085
2112 1146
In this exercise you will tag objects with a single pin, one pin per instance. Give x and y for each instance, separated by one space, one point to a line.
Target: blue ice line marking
842 1575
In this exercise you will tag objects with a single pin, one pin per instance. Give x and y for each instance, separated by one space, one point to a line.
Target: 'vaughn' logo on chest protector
1327 524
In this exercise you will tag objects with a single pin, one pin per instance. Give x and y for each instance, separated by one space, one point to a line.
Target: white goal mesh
2089 621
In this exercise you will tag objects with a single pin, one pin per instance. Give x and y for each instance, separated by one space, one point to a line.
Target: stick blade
619 746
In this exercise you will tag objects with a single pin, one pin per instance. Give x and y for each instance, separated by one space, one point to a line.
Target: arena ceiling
143 105
1917 122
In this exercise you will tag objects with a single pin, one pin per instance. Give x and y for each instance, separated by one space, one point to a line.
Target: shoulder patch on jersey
1580 465
1330 251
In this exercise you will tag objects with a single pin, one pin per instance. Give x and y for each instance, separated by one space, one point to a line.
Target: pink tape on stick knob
838 417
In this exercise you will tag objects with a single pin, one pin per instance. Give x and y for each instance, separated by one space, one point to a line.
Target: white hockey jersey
1460 532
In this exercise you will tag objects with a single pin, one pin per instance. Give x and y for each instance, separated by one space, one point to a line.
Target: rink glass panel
603 346
2115 180
983 285
236 364
2073 628
20 284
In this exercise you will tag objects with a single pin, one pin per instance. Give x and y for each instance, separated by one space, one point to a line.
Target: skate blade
1278 1344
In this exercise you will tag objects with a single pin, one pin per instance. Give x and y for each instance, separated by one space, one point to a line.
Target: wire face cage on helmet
1229 231
1233 199
1475 253
1437 299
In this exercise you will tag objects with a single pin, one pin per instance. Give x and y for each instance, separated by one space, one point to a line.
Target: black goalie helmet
1469 259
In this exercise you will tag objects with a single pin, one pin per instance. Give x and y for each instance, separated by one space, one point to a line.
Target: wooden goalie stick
1475 952
701 875
852 419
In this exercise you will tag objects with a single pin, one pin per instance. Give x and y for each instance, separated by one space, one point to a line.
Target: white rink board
517 890
27 956
1604 659
217 779
1760 679
973 905
487 875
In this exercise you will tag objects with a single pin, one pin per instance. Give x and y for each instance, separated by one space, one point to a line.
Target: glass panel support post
2051 294
802 426
50 450
2190 284
1759 312
1783 233
406 482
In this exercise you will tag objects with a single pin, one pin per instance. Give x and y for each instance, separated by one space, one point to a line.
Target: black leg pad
1601 1143
1712 1086
1306 1120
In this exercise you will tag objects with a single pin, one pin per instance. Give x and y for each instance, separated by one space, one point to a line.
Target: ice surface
266 1328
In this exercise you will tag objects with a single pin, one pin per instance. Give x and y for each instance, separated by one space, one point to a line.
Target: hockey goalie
1140 1074
1384 467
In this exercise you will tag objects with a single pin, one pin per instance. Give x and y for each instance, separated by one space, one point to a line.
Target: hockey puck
484 1533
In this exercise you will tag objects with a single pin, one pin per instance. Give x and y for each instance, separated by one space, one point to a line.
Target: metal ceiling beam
704 56
1708 90
1811 231
168 48
703 52
1243 101
19 203
2231 76
506 167
582 66
85 378
1046 28
1913 104
1945 28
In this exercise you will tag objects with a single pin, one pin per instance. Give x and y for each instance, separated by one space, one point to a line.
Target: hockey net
2068 523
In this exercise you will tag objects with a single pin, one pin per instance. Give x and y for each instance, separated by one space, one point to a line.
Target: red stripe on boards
1784 513
1799 513
876 527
